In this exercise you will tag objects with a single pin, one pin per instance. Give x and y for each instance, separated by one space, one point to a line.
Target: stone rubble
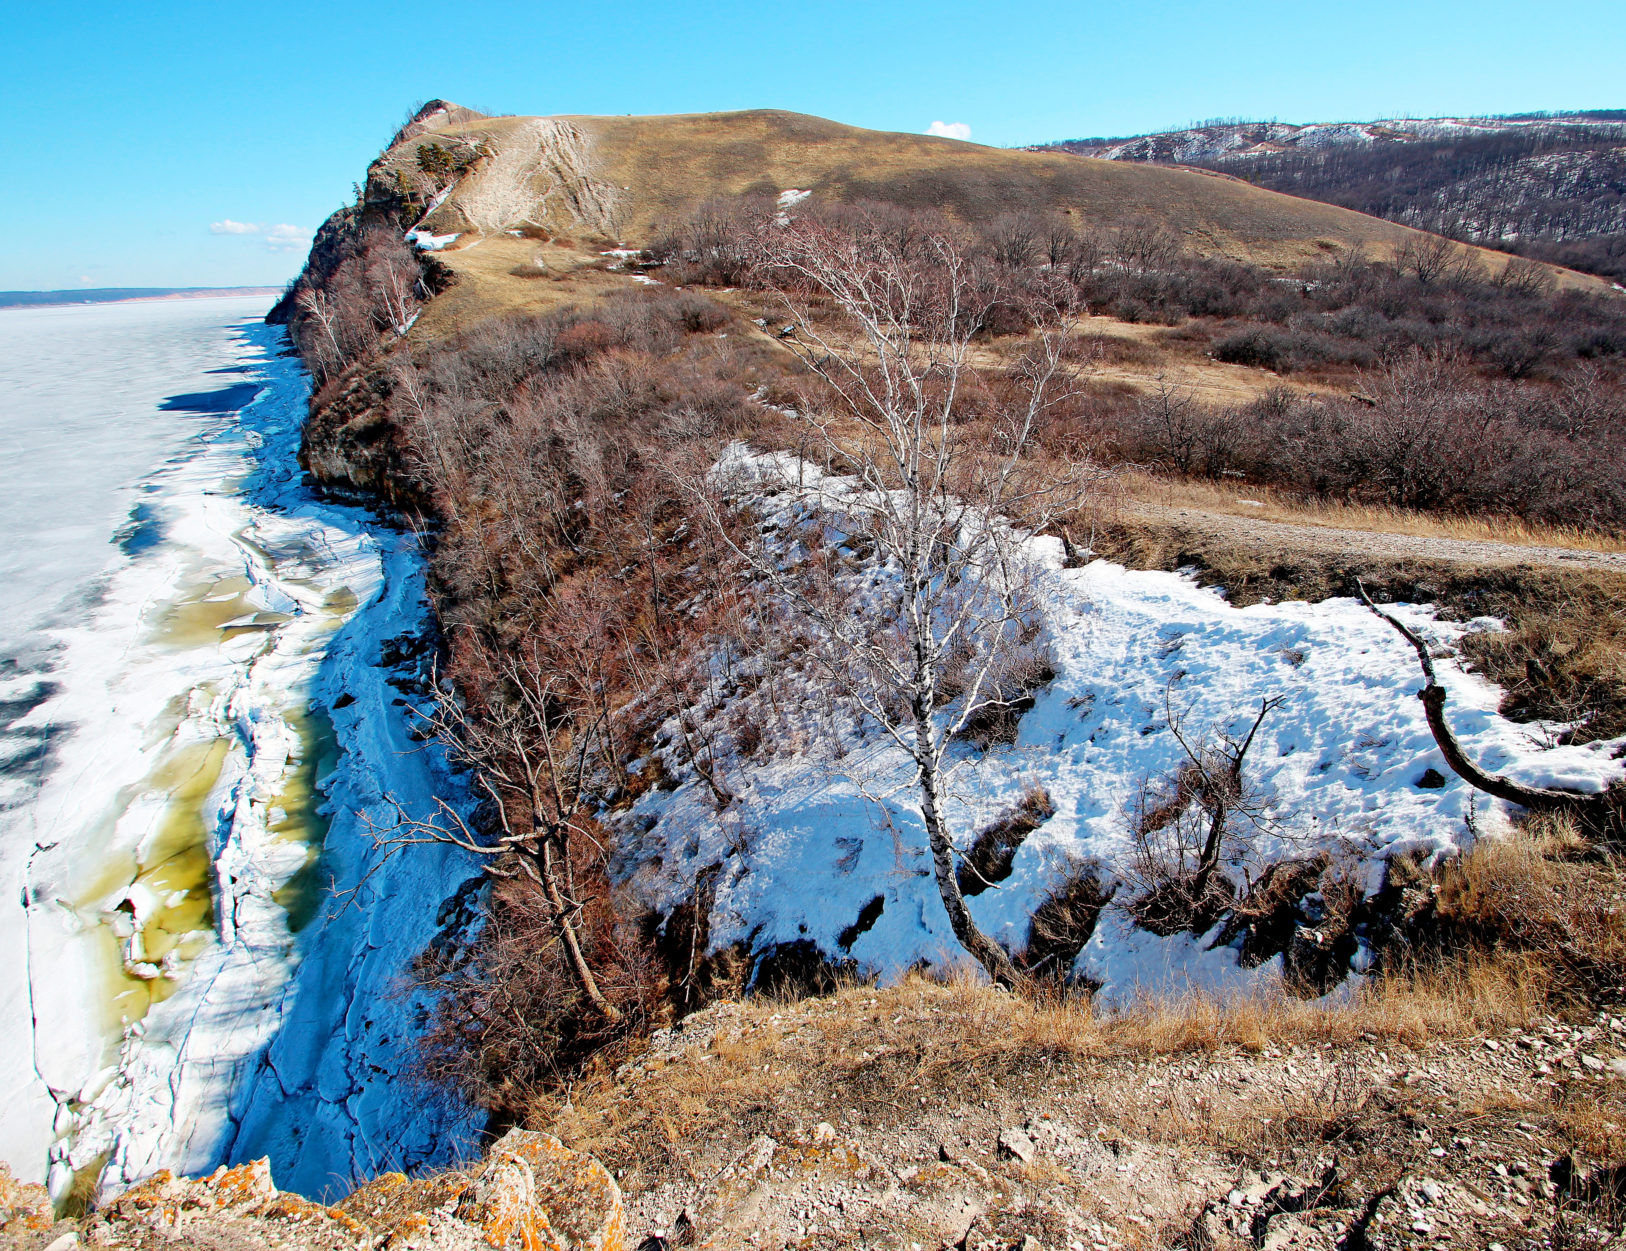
530 1193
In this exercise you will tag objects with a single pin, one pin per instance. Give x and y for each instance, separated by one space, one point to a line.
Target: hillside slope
625 175
518 187
1549 187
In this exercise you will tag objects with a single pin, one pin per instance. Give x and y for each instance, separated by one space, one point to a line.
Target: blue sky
136 127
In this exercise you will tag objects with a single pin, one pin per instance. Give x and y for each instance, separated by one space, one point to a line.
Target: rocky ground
1476 1142
929 1117
529 1192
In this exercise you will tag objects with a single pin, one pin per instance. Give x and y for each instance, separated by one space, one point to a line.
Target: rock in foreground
530 1193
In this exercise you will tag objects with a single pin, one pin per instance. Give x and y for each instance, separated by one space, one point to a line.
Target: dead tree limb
1592 808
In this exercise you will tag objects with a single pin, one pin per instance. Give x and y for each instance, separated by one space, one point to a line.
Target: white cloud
279 238
949 130
286 238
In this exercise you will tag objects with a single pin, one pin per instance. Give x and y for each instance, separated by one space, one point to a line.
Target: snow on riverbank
802 852
221 723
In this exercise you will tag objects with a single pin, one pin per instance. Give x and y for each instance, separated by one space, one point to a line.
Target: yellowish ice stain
175 865
296 813
196 618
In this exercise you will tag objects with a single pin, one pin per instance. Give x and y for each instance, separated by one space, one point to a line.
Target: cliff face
350 441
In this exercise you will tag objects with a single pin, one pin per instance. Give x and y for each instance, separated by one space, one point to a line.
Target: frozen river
196 723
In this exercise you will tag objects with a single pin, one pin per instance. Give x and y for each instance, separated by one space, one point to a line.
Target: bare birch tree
936 624
397 285
321 311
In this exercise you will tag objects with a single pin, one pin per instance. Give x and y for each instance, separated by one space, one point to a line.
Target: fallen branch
1594 808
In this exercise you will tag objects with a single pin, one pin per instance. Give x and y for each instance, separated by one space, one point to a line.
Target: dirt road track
1380 546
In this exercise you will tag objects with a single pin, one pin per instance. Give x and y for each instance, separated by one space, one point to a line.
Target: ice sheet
197 995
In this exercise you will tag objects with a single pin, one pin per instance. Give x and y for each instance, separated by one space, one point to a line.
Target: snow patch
804 850
431 242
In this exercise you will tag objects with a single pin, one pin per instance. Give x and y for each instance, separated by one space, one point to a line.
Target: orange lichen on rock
25 1207
580 1197
502 1203
242 1186
530 1193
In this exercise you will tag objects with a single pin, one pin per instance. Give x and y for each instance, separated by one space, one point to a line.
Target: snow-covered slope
802 851
1202 144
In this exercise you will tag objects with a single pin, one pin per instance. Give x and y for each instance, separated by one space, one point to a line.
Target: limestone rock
230 1198
1014 1144
24 1206
578 1194
530 1193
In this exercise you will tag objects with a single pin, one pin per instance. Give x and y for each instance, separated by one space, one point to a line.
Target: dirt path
1253 532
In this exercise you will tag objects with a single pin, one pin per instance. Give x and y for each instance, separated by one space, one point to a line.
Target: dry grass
1263 503
1139 355
954 1038
1560 900
663 166
487 285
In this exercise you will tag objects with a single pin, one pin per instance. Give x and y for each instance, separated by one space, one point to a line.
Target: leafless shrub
1145 246
1187 825
510 1023
1018 240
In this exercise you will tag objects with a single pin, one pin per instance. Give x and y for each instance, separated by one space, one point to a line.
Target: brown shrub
586 338
511 1020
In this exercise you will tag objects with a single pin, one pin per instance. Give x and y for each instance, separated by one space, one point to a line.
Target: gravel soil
1485 1142
1331 541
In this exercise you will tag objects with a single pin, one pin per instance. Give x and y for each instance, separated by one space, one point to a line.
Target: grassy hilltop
563 189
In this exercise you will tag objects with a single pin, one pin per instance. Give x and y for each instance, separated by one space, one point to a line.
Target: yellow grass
1263 503
950 1041
661 167
488 287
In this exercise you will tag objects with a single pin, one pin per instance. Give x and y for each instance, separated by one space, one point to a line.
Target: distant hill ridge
1224 140
1549 186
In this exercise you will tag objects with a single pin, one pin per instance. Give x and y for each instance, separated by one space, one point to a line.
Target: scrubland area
589 576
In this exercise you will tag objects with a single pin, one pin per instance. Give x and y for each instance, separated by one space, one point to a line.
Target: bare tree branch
1596 807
